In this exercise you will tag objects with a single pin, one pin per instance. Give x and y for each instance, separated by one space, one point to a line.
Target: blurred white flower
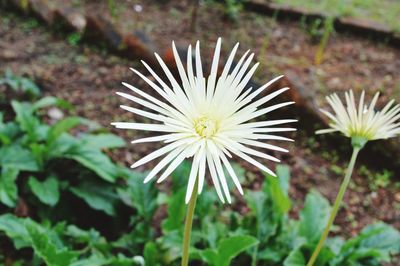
206 119
362 122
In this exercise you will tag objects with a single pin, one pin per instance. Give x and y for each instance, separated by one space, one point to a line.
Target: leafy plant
20 84
376 180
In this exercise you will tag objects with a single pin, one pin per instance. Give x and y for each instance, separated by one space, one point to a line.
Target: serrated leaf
47 191
314 216
97 195
8 187
45 249
101 141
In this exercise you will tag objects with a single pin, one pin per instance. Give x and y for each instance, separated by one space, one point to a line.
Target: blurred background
64 171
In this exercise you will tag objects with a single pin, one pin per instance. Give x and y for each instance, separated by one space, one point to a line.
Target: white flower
362 122
206 119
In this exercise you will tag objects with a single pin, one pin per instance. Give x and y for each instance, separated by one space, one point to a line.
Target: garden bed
88 76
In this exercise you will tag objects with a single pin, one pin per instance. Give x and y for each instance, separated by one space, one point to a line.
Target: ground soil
88 77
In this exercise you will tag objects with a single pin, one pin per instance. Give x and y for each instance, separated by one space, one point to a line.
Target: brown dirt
88 77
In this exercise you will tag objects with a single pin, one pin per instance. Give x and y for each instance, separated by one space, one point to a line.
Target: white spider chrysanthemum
362 122
206 119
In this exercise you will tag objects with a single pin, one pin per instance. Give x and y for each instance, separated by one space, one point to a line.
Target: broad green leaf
46 249
50 101
14 156
283 174
295 258
62 126
230 247
381 236
279 197
8 187
151 254
15 229
97 195
46 191
101 141
94 160
314 216
209 256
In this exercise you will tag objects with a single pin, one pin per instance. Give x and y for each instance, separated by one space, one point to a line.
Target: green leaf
279 197
209 256
142 197
15 229
176 211
14 156
265 222
50 101
230 247
381 236
295 258
27 121
151 254
20 83
28 86
97 195
94 160
102 141
62 126
314 216
46 191
46 249
8 187
8 131
283 174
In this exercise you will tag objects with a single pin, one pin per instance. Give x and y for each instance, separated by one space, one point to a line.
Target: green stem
188 226
336 206
254 257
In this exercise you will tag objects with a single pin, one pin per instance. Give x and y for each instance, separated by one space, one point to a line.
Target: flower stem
336 206
188 227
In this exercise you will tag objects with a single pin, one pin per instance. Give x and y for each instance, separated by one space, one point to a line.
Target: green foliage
46 191
376 180
8 188
314 216
74 38
20 84
228 248
85 210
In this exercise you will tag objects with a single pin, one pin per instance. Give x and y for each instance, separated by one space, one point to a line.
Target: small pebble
138 8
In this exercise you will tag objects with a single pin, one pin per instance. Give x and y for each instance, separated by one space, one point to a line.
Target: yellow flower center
205 126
